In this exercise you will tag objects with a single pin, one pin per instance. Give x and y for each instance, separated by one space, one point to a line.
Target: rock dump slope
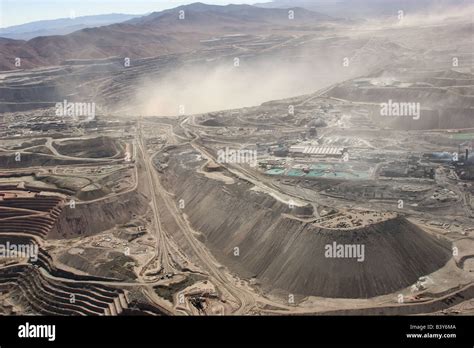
288 254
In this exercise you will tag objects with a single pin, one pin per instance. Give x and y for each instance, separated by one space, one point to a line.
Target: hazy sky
13 12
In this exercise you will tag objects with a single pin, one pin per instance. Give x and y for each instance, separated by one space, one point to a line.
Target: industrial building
316 151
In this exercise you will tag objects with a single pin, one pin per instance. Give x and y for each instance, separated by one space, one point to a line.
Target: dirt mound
93 218
98 263
288 254
25 160
92 192
212 123
441 106
100 147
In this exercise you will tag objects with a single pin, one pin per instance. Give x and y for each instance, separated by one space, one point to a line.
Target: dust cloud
219 85
205 88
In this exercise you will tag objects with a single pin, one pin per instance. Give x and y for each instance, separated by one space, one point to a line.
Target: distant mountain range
153 35
364 9
61 26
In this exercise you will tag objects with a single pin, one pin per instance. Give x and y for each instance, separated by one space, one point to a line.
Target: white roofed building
320 151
